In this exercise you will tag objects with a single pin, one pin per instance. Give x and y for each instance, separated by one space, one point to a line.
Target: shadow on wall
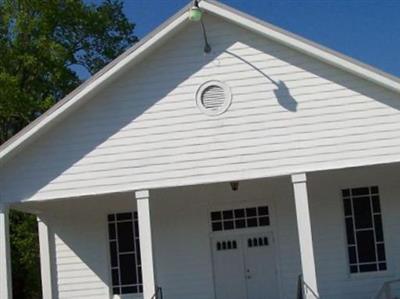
96 123
282 93
312 65
79 250
83 132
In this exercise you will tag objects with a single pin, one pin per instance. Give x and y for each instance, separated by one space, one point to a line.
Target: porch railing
386 291
304 290
158 294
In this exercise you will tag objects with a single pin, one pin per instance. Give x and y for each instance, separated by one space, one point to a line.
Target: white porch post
305 233
45 259
5 257
146 246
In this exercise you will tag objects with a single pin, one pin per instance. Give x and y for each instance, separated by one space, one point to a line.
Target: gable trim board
165 30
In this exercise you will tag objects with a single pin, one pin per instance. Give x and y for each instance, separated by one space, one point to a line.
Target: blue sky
366 30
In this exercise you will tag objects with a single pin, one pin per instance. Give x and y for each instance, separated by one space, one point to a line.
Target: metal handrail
300 289
158 294
386 290
303 289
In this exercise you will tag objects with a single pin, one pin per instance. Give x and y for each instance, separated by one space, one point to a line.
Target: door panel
260 269
229 268
244 267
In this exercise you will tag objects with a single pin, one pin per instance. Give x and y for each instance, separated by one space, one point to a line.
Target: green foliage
42 44
25 256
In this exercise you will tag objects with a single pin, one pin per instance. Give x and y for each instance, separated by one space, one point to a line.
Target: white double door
245 267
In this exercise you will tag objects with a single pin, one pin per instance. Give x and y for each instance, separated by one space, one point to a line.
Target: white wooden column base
45 260
146 244
5 256
305 234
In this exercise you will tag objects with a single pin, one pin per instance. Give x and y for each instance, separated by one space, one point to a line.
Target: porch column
5 257
146 246
45 259
305 234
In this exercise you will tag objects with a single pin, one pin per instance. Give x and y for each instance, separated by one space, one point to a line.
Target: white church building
219 158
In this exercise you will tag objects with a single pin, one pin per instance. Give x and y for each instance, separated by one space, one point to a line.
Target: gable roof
152 40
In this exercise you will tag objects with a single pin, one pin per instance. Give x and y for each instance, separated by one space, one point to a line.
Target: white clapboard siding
289 113
327 217
181 234
181 237
74 278
80 253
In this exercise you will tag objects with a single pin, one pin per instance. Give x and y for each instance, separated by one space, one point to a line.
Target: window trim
109 258
377 273
233 207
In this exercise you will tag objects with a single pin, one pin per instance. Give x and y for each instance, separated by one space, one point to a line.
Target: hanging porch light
195 13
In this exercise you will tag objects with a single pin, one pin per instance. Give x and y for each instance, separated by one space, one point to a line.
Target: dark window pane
114 254
125 236
347 207
362 212
116 291
128 268
136 224
353 269
375 204
218 246
239 213
378 228
129 290
111 217
375 190
240 223
137 250
223 245
135 215
238 218
124 216
216 216
234 245
381 252
140 275
228 225
350 231
111 231
366 246
229 246
262 211
249 243
217 226
368 268
252 222
264 221
115 277
255 242
251 212
227 215
382 266
360 191
352 255
140 289
265 241
346 192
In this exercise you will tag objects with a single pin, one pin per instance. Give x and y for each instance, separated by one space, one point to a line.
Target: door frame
271 229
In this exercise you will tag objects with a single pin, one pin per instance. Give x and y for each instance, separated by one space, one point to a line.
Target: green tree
42 45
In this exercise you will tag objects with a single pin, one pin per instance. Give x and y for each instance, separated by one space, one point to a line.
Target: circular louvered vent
213 98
